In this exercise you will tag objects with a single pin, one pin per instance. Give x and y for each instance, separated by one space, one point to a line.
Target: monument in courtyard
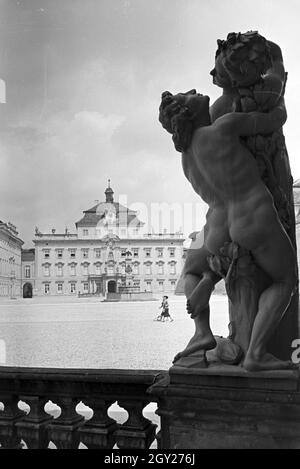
234 155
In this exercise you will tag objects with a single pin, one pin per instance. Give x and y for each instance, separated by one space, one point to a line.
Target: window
148 252
59 253
72 287
148 287
27 271
172 252
47 270
59 288
73 269
110 270
85 287
47 253
123 232
160 268
135 252
47 288
173 268
135 269
85 269
85 232
148 269
173 283
160 252
85 253
72 252
123 252
98 269
59 270
161 286
98 253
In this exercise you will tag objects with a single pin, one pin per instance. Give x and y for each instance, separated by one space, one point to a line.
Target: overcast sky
84 79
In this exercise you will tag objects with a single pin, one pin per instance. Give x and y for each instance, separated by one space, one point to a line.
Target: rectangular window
161 269
173 268
123 252
72 253
172 252
148 252
27 271
148 287
135 252
59 288
98 269
59 270
85 253
73 269
161 286
85 232
85 269
148 269
160 252
135 269
72 287
85 287
46 271
47 288
98 253
47 253
59 253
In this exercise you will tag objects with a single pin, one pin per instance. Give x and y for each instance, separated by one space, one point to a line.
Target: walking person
165 310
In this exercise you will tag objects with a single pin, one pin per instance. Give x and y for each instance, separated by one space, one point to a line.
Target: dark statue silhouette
235 158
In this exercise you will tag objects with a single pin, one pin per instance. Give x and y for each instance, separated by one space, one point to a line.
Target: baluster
63 431
137 432
98 432
33 428
8 417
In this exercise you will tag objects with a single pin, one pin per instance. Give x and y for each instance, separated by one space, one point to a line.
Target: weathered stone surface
226 407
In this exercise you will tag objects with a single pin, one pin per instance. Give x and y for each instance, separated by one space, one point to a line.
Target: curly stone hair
177 119
244 57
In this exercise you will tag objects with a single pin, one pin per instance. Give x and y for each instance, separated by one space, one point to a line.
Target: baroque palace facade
10 261
109 247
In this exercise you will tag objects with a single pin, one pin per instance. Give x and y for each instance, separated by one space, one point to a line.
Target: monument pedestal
228 407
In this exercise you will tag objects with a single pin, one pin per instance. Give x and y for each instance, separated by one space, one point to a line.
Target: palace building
108 253
10 261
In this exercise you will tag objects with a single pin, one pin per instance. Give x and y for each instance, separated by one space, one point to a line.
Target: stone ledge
228 376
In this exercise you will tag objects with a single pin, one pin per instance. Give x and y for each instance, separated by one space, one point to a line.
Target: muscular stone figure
224 173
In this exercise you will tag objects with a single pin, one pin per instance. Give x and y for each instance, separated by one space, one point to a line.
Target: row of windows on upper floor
60 288
110 270
135 252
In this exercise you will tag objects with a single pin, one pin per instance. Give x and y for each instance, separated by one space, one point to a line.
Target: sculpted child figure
224 173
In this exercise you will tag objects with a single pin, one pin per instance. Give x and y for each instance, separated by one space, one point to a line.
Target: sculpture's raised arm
253 123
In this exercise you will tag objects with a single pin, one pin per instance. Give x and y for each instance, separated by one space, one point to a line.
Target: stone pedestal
228 407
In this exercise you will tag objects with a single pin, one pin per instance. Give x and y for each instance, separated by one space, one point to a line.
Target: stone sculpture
234 156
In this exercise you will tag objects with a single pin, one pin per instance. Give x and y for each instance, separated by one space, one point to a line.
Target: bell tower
109 194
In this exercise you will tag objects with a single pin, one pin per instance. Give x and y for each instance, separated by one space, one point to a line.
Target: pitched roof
28 255
97 215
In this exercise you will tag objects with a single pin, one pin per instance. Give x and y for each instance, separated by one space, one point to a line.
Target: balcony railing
97 389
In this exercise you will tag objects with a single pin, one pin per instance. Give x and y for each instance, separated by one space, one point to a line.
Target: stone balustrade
97 389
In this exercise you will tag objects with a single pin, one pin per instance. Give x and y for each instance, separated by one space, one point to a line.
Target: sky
83 84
